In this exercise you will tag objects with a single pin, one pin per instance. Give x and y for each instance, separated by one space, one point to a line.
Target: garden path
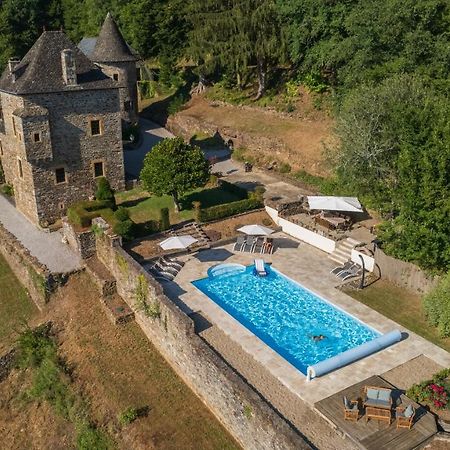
48 248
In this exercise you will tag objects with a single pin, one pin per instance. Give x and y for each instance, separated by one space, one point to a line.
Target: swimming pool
285 315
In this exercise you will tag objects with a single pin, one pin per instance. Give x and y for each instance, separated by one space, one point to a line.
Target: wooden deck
374 435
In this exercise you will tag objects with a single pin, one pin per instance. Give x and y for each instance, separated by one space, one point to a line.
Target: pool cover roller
353 354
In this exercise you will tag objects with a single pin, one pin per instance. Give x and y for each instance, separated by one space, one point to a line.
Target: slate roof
87 45
110 45
40 69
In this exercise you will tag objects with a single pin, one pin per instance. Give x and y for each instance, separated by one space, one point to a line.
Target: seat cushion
409 411
385 396
372 394
347 404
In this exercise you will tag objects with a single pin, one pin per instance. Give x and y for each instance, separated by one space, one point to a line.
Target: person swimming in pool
317 338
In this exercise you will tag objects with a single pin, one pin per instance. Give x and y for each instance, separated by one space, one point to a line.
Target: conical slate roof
110 45
40 70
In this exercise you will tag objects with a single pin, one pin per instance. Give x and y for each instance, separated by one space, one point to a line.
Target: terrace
306 265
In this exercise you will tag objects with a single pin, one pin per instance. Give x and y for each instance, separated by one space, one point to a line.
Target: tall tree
174 168
395 150
22 22
234 34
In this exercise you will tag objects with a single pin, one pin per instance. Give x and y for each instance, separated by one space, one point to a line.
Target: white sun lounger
259 268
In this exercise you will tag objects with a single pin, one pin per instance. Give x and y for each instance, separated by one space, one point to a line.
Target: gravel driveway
48 248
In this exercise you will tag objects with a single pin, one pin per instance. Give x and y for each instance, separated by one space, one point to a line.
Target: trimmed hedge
233 189
82 213
229 209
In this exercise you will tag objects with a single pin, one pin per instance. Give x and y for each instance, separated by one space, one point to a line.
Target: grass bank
401 306
16 308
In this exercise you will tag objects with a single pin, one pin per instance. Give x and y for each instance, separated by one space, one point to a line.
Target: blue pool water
285 315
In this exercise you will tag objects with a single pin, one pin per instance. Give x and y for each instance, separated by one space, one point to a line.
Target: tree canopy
173 167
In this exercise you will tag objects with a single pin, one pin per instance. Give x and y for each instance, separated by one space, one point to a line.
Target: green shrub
128 416
259 191
122 214
437 306
238 154
89 438
197 211
8 190
284 168
229 209
124 229
33 346
104 191
176 104
164 219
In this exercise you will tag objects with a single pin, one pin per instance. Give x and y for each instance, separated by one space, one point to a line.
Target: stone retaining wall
33 275
248 417
83 242
187 126
403 273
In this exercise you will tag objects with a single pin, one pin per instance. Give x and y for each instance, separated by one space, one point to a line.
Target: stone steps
343 251
115 307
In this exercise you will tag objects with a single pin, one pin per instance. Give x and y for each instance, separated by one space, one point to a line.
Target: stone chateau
61 115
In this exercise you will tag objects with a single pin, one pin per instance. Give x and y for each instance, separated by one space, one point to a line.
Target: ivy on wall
150 309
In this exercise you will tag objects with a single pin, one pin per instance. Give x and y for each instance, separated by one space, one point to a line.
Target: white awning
175 242
330 203
256 230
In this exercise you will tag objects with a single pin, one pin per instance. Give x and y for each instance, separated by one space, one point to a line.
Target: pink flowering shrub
437 395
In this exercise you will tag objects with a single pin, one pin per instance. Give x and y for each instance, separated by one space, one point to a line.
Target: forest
383 64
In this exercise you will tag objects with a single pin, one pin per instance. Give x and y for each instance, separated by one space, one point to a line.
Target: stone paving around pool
311 268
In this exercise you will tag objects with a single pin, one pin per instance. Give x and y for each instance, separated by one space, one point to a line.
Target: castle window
1 148
116 77
98 169
37 137
14 126
60 175
19 164
96 128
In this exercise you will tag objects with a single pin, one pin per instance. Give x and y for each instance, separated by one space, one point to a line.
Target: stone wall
83 242
75 149
248 417
13 150
127 76
187 126
403 274
33 275
62 120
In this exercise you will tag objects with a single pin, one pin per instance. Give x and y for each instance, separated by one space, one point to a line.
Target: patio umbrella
330 203
256 230
176 242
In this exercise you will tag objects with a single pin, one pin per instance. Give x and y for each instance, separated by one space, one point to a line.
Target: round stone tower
117 60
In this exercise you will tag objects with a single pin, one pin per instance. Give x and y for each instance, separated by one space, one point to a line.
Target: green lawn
401 306
145 208
15 306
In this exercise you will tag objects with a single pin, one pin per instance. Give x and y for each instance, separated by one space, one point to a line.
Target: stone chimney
69 72
12 64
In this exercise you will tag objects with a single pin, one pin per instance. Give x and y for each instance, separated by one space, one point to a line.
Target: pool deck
310 267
